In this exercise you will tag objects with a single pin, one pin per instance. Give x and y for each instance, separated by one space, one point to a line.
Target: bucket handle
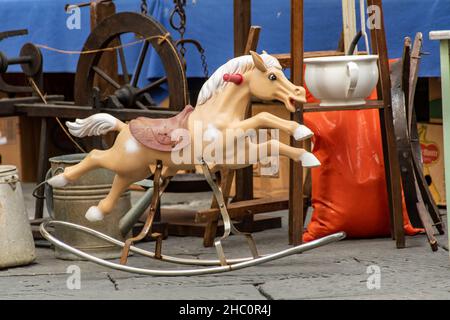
48 190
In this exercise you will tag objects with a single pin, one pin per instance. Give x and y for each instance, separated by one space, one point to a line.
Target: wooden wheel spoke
105 77
140 63
141 105
123 62
152 85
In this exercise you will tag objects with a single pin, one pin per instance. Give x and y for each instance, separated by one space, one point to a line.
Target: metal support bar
228 226
158 189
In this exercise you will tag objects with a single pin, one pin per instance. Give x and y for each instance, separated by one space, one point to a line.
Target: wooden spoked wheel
124 92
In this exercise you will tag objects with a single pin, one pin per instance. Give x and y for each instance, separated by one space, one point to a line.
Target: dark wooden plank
7 106
242 23
285 58
370 104
253 38
295 168
72 111
241 209
182 223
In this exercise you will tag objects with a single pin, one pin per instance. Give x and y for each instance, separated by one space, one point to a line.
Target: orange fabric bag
349 188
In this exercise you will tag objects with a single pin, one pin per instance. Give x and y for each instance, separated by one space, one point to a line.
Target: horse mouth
291 104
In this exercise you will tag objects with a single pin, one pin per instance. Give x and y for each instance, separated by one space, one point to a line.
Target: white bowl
341 80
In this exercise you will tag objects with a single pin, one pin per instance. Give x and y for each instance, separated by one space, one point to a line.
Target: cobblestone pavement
343 270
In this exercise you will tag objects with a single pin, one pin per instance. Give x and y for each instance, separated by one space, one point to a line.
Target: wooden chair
294 61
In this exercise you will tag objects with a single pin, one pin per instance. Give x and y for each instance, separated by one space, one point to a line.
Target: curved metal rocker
214 265
146 142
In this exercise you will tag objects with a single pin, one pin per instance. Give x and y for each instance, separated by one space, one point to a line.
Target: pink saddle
157 133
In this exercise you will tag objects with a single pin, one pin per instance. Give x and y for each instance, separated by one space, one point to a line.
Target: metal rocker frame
211 266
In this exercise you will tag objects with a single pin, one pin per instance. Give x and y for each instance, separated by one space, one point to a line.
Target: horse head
270 83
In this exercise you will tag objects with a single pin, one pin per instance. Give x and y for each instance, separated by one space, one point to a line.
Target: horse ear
264 52
258 61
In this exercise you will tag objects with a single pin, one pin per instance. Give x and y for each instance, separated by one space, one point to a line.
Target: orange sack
349 188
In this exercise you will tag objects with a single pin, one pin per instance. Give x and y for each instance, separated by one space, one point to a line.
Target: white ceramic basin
341 80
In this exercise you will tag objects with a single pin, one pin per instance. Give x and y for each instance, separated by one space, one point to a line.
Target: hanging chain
204 63
144 7
178 14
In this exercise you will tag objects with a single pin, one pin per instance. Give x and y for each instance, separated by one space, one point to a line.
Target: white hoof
94 214
302 133
58 181
309 160
211 134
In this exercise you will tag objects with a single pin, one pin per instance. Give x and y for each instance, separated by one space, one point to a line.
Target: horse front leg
105 206
268 120
275 148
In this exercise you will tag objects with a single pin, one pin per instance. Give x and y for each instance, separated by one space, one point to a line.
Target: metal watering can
71 202
16 239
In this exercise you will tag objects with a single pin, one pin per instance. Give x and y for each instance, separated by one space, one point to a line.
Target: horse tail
95 125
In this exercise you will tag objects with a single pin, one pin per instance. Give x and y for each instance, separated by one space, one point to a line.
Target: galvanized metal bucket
71 203
16 239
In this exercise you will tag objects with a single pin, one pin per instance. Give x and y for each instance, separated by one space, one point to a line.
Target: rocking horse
165 146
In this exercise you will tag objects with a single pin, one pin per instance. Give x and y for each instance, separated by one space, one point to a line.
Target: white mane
237 65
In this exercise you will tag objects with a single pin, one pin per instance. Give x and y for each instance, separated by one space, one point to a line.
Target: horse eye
272 77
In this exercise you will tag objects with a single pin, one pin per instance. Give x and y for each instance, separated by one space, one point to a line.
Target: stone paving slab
336 271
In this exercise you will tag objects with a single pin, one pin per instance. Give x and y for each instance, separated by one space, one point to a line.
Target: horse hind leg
105 206
93 160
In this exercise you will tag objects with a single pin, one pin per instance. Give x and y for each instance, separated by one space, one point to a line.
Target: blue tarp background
211 22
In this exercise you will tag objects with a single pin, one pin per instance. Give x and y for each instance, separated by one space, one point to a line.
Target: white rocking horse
145 143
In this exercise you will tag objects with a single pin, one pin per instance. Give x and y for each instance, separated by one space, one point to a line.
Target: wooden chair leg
392 171
210 233
392 168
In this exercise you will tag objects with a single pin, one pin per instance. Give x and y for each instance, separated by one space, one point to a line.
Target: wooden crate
278 184
431 141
